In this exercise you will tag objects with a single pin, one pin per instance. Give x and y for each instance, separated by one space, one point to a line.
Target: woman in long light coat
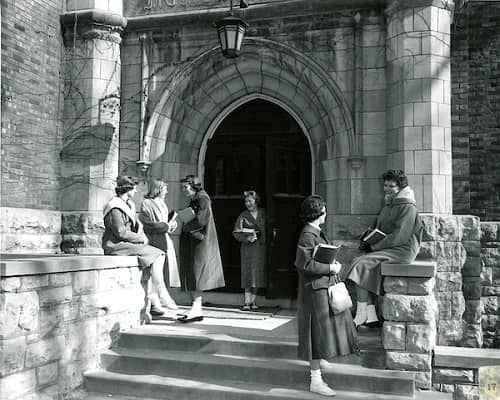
399 219
322 334
154 216
200 261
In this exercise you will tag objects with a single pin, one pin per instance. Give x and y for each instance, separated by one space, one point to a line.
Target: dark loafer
186 320
157 312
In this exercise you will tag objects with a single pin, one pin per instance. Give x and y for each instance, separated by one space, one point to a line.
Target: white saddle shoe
322 388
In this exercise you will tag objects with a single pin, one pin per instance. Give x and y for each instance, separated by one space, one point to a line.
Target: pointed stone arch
190 108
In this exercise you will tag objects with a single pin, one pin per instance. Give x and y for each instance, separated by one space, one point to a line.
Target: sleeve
203 211
403 229
114 219
304 261
240 237
147 218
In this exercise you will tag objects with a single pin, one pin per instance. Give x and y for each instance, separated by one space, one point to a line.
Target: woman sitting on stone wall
124 236
400 221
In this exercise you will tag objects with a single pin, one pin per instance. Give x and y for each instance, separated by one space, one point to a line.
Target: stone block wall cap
416 269
465 357
10 265
93 16
398 5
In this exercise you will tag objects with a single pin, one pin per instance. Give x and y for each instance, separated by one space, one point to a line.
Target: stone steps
285 372
148 387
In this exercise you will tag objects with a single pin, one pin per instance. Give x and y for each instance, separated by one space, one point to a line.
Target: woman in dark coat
154 216
124 236
398 219
322 334
252 249
200 261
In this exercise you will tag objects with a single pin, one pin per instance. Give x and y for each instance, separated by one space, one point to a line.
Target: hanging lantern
231 31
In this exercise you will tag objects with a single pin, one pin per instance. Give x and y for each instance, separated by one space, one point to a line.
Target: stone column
418 105
91 120
409 311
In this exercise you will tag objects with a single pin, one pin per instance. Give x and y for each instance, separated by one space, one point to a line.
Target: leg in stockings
361 316
159 283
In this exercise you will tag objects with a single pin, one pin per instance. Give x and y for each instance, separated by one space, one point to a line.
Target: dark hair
155 187
124 184
311 208
193 181
253 194
396 175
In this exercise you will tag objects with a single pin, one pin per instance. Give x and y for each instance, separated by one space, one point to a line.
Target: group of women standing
322 333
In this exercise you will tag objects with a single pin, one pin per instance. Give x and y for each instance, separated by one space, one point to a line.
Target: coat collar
117 202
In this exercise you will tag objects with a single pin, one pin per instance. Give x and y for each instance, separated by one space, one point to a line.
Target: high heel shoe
171 305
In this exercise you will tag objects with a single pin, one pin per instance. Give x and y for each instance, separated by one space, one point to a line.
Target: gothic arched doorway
260 147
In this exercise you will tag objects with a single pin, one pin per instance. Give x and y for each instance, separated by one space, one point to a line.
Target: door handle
274 234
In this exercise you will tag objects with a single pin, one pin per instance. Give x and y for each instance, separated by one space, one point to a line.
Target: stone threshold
38 264
465 357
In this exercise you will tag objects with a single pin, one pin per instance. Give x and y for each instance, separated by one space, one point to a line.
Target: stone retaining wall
54 325
490 279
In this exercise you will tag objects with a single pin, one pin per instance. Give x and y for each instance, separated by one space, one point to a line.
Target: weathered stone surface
116 278
490 304
472 247
490 257
43 351
473 336
490 291
81 341
486 276
82 222
16 385
60 279
450 332
10 284
471 228
29 220
408 361
108 329
420 338
472 266
70 376
52 320
409 308
451 305
19 312
30 243
53 296
466 392
85 282
394 335
421 286
12 355
448 281
442 228
490 232
452 376
473 311
450 256
34 282
395 285
472 288
423 379
47 373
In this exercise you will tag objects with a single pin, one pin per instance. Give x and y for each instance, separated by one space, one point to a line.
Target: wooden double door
278 167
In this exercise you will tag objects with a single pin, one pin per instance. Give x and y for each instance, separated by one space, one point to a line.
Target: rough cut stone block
473 311
70 376
47 373
81 341
472 266
116 278
473 336
52 321
34 282
395 285
85 282
470 227
451 305
19 313
441 228
420 338
16 385
450 256
490 304
12 355
421 286
452 376
472 288
490 257
408 361
10 284
393 335
60 279
486 276
423 379
490 232
409 308
491 290
466 392
448 281
41 352
450 332
54 296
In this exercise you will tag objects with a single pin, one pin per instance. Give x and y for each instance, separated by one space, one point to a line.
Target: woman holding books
399 241
250 231
124 236
155 218
200 261
322 334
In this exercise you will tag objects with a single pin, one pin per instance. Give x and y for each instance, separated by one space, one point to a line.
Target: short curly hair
396 175
193 181
253 194
311 208
125 183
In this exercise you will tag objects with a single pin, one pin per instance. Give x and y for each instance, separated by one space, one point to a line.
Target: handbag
339 298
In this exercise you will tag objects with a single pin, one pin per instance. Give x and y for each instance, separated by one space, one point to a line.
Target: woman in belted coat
322 334
124 236
400 221
200 261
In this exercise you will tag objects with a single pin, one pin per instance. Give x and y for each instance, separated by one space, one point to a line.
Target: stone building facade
95 88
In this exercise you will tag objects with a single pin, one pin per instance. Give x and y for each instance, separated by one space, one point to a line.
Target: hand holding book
325 253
